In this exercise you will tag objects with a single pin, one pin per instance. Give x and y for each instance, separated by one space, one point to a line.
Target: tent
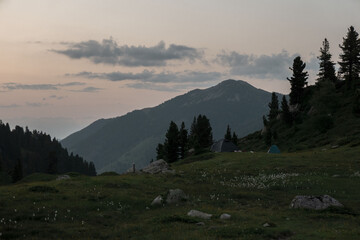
224 145
274 149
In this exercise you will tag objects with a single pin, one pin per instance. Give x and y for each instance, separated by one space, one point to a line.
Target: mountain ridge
114 144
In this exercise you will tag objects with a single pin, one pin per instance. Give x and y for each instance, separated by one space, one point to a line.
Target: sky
65 64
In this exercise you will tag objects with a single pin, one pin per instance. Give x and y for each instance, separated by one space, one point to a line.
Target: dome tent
274 149
224 145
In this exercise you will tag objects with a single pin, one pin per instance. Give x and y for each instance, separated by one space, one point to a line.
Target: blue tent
274 149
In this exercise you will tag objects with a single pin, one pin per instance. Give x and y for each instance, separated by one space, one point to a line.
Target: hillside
254 189
327 120
114 144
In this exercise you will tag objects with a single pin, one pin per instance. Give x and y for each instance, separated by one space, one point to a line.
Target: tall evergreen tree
235 139
204 132
274 107
350 58
171 145
183 140
327 69
286 115
227 135
17 173
160 151
297 81
53 161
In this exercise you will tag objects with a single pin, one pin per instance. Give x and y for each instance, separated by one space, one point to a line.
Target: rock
158 201
266 225
176 196
196 213
225 216
159 166
200 224
314 202
63 177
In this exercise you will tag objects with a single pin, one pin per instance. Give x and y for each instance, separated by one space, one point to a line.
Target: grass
254 188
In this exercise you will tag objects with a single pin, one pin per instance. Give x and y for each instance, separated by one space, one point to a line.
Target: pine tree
160 151
327 69
350 58
204 132
183 140
171 145
297 81
234 139
286 115
17 173
227 135
52 163
274 107
265 121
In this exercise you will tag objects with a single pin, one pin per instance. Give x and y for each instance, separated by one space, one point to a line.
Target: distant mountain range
114 144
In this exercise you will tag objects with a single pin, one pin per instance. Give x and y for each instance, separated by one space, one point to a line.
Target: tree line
178 141
346 81
23 152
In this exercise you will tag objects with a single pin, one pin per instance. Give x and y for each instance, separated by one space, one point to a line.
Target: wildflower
82 222
68 210
15 210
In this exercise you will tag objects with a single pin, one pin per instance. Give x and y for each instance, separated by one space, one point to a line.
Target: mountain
114 144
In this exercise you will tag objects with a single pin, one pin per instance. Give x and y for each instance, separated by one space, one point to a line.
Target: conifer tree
52 159
286 115
234 139
350 58
227 135
160 151
17 173
327 69
297 81
171 145
183 140
204 132
274 107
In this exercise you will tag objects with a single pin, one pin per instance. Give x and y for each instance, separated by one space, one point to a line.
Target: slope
327 120
114 144
253 188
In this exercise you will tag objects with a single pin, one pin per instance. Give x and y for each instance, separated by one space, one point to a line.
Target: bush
43 189
323 123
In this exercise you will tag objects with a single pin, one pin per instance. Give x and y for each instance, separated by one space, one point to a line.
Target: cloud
19 86
10 106
36 104
89 90
56 97
153 77
108 52
152 86
275 66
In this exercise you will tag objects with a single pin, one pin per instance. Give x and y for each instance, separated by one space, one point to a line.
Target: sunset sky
65 64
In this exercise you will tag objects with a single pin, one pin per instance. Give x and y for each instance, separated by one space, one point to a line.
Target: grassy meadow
254 188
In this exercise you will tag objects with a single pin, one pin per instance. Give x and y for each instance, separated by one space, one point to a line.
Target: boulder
314 202
159 166
198 214
158 201
225 216
63 177
175 196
